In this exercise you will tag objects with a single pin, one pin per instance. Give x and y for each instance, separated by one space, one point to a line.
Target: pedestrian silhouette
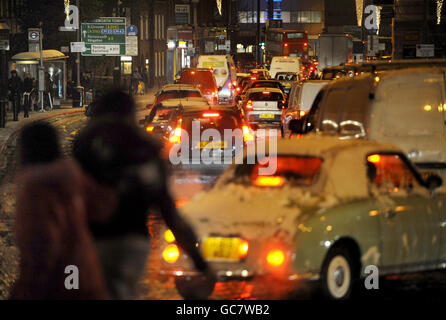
15 88
114 150
55 202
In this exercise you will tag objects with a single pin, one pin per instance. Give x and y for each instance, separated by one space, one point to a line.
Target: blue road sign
132 30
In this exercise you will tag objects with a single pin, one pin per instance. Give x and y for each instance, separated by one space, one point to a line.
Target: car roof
260 89
341 157
185 102
374 80
179 86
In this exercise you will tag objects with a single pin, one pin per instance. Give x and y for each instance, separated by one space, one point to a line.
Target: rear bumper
264 116
240 274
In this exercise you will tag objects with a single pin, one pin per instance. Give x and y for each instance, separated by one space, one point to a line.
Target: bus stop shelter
54 63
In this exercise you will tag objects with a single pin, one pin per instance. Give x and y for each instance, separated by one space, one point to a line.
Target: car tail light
175 136
253 78
192 72
374 158
249 105
168 236
305 44
266 92
247 134
150 128
210 114
275 258
243 248
238 89
269 181
285 44
171 253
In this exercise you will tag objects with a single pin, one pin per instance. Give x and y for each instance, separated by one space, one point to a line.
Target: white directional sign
131 46
425 50
77 46
107 49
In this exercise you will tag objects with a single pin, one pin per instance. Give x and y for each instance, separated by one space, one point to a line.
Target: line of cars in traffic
356 183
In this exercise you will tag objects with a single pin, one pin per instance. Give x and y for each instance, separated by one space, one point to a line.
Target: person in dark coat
56 201
15 88
116 152
28 86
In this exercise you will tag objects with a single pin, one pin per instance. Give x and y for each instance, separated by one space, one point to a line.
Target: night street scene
223 151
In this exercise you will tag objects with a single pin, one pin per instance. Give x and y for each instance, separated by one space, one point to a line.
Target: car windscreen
203 79
178 94
265 96
212 119
294 170
286 77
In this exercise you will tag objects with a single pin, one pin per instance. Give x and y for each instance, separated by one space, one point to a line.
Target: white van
224 72
402 107
300 100
284 64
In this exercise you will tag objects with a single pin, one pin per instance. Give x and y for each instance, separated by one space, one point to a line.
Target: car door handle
389 213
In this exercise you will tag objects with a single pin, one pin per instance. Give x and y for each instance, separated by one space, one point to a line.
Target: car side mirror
433 181
295 126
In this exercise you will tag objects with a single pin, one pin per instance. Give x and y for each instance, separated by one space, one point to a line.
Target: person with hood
15 88
116 152
55 203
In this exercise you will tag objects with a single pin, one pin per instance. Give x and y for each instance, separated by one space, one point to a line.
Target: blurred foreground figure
116 152
55 202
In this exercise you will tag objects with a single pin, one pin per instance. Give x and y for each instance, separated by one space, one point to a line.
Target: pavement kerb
17 128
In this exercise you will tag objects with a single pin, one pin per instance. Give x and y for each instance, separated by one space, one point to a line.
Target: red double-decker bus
286 42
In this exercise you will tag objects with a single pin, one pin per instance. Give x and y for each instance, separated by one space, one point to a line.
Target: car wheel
339 274
194 288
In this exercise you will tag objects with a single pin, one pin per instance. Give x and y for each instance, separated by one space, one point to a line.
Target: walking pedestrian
116 152
28 86
56 201
15 88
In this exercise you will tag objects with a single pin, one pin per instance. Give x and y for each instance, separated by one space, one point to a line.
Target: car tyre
194 288
339 277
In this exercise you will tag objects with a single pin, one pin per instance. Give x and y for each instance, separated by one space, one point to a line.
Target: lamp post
41 69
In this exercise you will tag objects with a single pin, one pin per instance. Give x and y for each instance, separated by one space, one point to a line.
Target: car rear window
265 96
294 170
212 119
163 114
266 84
204 79
178 94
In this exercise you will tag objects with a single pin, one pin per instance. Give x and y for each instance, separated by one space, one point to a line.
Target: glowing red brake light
253 78
210 114
249 105
243 248
175 136
266 92
305 44
374 158
269 181
285 44
247 134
